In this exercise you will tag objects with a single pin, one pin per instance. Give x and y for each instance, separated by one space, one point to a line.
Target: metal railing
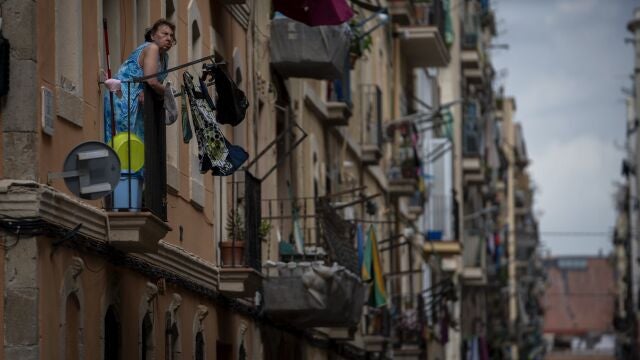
471 132
471 25
430 13
247 217
143 188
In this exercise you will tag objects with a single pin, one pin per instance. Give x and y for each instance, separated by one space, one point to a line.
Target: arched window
147 337
111 335
73 339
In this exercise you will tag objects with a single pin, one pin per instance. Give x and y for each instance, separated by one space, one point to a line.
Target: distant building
578 302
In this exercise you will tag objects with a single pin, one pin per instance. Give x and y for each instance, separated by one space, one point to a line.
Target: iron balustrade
472 138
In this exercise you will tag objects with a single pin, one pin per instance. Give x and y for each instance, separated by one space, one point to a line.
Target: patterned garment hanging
214 150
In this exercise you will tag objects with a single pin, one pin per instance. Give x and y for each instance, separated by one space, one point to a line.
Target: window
111 335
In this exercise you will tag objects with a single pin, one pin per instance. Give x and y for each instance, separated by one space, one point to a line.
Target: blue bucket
122 198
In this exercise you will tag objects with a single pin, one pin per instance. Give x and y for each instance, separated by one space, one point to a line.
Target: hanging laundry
233 109
215 152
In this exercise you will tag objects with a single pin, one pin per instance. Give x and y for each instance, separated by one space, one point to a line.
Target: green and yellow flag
372 270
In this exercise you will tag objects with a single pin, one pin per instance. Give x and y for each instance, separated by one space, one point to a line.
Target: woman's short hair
150 31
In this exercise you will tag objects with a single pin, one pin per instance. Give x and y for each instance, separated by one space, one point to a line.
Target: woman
149 58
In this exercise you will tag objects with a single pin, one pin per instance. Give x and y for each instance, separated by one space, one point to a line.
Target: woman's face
163 37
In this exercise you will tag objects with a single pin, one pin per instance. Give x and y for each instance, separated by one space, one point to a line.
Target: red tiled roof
578 301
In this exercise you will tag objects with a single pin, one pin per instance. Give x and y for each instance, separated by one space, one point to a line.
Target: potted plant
264 229
232 249
359 44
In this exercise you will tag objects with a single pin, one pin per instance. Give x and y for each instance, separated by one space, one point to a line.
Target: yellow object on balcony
129 147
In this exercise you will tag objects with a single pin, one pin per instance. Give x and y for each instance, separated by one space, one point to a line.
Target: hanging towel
170 105
186 125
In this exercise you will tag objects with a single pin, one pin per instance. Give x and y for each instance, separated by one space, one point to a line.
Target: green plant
264 229
359 43
235 226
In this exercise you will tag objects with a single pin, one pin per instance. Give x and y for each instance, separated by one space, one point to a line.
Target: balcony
404 172
472 145
416 205
302 51
241 251
421 41
474 260
303 291
371 126
138 218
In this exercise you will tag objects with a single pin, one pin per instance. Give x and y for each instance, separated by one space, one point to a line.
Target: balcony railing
471 132
430 13
143 161
471 25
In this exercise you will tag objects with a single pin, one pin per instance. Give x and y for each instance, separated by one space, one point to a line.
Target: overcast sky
566 66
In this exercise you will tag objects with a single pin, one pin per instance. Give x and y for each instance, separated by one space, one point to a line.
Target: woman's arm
150 57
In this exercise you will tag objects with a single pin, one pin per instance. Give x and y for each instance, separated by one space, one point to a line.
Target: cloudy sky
566 66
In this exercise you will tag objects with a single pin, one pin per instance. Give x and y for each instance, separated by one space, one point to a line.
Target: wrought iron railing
471 131
246 215
142 185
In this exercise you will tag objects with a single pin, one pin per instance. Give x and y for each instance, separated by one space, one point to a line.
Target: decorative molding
29 199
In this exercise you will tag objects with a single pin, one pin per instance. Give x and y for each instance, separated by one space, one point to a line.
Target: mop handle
106 49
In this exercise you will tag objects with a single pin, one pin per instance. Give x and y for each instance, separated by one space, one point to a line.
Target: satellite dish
91 170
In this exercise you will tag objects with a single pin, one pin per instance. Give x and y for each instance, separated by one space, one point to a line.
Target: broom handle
106 49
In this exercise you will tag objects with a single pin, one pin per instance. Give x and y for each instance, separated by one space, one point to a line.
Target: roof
580 295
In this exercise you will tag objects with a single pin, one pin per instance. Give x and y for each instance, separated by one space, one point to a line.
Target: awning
315 12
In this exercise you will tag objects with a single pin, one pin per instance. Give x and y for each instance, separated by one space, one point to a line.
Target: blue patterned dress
129 70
